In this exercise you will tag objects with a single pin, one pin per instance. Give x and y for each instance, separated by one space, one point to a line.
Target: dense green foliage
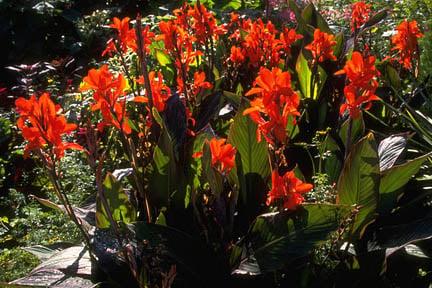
367 217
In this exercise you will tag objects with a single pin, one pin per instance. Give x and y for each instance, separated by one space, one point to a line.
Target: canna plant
208 125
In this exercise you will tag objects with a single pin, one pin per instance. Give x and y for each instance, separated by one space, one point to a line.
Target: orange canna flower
405 42
322 46
43 127
107 91
287 188
359 15
160 91
355 98
237 56
204 23
223 155
362 74
199 83
361 71
275 102
288 37
127 37
259 46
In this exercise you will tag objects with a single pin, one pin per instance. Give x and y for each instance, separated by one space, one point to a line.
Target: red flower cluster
204 24
43 127
107 92
322 46
223 155
287 188
275 103
359 15
179 45
127 37
362 74
405 42
260 45
199 83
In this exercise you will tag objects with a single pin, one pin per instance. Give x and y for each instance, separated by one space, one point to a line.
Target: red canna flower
355 98
359 15
43 127
288 37
107 91
204 24
259 46
223 155
322 46
127 37
405 42
287 188
275 104
237 56
160 91
199 83
362 74
361 71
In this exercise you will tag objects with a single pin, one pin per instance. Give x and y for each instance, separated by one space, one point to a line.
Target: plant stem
143 60
348 139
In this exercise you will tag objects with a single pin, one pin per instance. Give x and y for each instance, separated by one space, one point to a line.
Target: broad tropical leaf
118 201
390 150
393 179
276 239
253 167
359 182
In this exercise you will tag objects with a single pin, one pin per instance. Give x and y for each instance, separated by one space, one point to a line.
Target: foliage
16 263
203 131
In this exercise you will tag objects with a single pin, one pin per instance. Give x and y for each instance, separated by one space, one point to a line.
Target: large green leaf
311 17
357 130
165 175
393 179
332 162
253 167
359 182
395 237
276 239
304 74
118 201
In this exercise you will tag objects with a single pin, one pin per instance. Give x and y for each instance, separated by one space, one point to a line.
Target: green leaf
162 58
395 237
233 4
357 130
374 19
340 43
393 76
359 182
118 201
253 167
393 179
311 17
304 75
332 164
277 239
